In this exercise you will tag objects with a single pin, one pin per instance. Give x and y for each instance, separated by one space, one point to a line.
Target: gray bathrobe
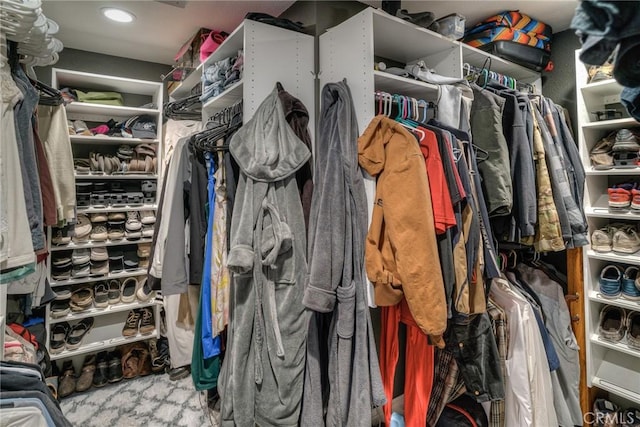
342 379
262 375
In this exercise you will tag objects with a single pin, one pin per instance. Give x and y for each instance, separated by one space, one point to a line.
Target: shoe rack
108 322
611 366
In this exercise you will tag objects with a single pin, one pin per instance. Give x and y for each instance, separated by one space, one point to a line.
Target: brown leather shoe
145 364
86 376
67 381
131 360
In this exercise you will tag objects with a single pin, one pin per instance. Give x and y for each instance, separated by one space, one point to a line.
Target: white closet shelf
109 140
81 109
618 391
602 88
612 172
102 345
402 41
118 177
79 79
618 302
91 210
230 96
183 90
620 346
96 244
600 209
92 312
228 48
401 85
614 257
611 124
106 277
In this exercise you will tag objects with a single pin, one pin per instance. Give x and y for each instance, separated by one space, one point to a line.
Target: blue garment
210 344
601 25
630 98
26 148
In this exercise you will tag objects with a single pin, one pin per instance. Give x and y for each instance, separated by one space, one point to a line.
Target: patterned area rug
153 401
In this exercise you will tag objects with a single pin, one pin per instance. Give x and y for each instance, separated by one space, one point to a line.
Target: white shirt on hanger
528 389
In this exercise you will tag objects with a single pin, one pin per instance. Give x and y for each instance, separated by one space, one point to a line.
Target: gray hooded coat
342 378
262 375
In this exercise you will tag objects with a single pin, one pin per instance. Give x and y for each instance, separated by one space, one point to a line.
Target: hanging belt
266 257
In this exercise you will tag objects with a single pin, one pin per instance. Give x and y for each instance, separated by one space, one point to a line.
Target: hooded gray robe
342 378
262 375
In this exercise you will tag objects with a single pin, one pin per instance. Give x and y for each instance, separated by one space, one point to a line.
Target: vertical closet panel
274 54
447 62
346 51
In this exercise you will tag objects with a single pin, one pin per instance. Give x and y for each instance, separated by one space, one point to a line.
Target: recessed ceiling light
118 15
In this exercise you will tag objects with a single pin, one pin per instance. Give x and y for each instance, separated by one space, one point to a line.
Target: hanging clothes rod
409 107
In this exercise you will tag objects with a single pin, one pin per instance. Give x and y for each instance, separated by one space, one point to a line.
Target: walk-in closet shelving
611 366
98 244
271 54
140 98
351 49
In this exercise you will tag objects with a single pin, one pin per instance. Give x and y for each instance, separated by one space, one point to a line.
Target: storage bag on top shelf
514 36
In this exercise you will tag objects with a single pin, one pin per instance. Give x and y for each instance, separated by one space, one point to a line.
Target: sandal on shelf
82 166
116 261
145 150
81 299
58 337
128 290
78 332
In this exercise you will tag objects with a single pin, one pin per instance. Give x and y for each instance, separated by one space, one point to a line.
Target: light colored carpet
153 401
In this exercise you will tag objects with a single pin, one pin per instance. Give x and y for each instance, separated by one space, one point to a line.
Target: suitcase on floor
514 36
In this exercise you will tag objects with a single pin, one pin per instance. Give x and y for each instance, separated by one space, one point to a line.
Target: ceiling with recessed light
161 27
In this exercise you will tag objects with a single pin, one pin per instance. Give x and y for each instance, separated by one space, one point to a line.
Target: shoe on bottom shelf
67 381
605 413
631 417
176 374
115 366
86 375
612 323
101 375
